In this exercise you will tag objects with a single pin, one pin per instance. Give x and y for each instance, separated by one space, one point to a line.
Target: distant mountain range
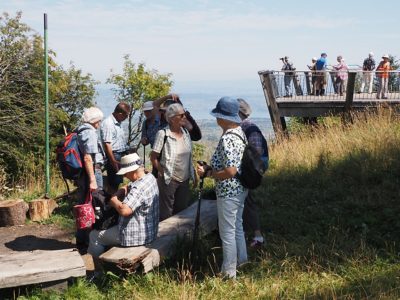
198 103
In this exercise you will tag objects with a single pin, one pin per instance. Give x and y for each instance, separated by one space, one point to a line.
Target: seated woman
172 157
139 211
225 164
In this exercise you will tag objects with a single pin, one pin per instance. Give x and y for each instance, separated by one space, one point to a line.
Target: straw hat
129 163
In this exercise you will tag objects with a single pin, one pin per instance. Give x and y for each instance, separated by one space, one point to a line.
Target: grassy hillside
330 214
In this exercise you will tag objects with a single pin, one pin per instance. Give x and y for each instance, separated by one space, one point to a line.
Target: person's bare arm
89 168
161 100
110 156
115 201
226 173
154 157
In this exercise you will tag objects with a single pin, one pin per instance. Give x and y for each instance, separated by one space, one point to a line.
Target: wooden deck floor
314 106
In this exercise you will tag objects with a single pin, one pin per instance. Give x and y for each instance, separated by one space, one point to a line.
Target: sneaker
257 242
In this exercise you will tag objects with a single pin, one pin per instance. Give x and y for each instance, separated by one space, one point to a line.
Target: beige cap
148 105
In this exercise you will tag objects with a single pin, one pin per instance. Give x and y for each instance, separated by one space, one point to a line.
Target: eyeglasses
181 115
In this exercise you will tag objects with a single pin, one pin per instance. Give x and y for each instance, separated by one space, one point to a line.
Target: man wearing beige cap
137 206
151 125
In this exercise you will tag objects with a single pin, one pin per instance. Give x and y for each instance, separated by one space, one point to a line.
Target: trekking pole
197 220
144 156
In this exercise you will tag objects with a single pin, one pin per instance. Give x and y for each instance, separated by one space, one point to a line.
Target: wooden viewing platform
304 104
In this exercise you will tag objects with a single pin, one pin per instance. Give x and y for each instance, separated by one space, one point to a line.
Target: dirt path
38 237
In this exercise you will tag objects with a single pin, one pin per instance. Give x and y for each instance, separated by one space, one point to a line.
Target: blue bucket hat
228 109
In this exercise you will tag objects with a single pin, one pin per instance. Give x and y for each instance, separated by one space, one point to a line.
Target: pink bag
84 213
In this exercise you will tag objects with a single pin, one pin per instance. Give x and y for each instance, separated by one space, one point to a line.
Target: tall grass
329 211
32 183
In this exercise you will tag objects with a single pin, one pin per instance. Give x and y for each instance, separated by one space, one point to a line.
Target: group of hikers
319 75
155 195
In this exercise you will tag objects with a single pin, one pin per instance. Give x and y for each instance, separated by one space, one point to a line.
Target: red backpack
69 157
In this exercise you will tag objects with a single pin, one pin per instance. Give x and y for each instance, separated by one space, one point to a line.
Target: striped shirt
112 132
169 153
141 227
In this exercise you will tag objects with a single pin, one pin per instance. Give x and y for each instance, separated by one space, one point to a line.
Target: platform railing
302 85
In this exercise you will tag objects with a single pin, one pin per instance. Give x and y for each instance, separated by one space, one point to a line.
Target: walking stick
197 220
144 156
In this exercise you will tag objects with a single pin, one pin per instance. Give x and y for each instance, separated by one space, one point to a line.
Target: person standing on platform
320 81
115 143
341 75
288 69
313 69
382 72
368 74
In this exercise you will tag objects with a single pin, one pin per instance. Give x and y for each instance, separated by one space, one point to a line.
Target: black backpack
106 216
252 166
265 155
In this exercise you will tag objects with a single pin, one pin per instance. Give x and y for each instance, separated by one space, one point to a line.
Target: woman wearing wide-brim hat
225 164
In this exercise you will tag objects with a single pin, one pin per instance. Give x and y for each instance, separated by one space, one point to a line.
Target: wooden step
31 267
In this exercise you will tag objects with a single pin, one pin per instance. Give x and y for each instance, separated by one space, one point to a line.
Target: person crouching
138 211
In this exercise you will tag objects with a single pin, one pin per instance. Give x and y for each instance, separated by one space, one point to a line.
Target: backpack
265 155
105 215
69 157
252 166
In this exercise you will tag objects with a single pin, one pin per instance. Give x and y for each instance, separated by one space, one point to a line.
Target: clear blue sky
211 41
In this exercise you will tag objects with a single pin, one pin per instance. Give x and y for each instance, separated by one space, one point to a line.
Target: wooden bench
179 225
39 266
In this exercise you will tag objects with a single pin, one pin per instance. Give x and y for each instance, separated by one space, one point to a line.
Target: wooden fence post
278 122
349 97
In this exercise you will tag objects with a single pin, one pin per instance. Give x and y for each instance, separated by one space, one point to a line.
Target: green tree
70 93
22 96
136 85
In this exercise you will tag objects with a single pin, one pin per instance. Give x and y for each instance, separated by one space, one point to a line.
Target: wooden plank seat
179 225
39 266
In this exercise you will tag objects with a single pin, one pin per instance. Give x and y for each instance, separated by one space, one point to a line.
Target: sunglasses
181 115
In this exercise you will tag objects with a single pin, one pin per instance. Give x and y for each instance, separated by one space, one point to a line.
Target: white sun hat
129 163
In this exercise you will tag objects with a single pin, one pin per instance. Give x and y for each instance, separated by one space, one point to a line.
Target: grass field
329 211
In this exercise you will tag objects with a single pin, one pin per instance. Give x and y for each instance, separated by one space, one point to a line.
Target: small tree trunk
41 209
12 212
